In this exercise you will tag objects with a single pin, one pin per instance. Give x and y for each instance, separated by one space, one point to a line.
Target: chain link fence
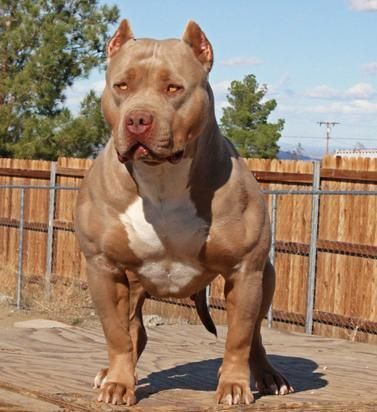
324 248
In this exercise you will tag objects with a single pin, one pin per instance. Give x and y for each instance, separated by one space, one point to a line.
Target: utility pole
329 127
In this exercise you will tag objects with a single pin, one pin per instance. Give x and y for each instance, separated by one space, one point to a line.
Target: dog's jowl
167 206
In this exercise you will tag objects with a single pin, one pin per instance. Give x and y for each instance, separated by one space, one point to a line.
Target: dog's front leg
109 289
243 294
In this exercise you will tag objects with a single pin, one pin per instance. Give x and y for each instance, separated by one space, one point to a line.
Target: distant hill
288 155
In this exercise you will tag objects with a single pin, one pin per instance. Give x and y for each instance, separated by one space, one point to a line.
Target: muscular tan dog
170 201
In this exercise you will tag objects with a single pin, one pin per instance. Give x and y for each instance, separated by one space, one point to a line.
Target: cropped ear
197 40
121 36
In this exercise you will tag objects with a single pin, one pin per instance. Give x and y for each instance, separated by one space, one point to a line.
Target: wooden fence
346 258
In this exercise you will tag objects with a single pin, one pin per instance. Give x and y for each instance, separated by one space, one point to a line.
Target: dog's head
157 98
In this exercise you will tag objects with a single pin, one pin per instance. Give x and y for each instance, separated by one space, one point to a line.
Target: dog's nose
139 122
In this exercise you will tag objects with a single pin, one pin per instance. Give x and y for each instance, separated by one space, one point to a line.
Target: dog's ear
197 40
121 36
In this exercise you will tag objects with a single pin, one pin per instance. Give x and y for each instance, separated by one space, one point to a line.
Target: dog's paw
101 378
234 392
272 382
117 394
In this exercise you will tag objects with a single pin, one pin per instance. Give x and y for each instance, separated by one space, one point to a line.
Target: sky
318 59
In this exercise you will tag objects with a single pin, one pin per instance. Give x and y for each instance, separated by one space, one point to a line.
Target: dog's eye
122 86
173 88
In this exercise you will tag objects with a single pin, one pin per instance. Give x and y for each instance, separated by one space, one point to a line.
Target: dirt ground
86 317
68 302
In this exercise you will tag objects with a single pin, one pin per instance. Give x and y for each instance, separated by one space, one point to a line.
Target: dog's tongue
141 152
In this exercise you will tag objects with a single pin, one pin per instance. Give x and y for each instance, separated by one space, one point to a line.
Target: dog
166 207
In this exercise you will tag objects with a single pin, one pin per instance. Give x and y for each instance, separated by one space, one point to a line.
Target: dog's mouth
141 152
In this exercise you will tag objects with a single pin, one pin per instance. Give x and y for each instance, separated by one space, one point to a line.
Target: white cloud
322 92
281 87
82 87
283 81
241 61
223 104
357 91
363 5
353 107
219 106
76 93
98 86
359 98
370 68
360 91
288 108
220 90
221 87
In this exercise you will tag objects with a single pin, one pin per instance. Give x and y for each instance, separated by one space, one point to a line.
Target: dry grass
8 281
69 300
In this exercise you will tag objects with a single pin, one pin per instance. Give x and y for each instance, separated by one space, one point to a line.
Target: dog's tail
200 299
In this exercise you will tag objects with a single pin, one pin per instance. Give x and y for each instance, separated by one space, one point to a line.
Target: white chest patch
164 230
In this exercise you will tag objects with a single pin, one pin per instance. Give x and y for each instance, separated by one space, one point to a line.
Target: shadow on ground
202 375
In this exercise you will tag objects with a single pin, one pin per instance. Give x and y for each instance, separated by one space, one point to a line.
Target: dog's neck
162 182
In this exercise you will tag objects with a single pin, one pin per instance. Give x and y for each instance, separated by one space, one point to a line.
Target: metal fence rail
19 212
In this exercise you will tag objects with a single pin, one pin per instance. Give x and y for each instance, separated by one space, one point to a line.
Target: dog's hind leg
267 379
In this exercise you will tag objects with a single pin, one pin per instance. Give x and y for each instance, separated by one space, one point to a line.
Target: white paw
100 379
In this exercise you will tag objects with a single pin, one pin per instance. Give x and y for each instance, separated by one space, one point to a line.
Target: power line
365 125
329 127
333 138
